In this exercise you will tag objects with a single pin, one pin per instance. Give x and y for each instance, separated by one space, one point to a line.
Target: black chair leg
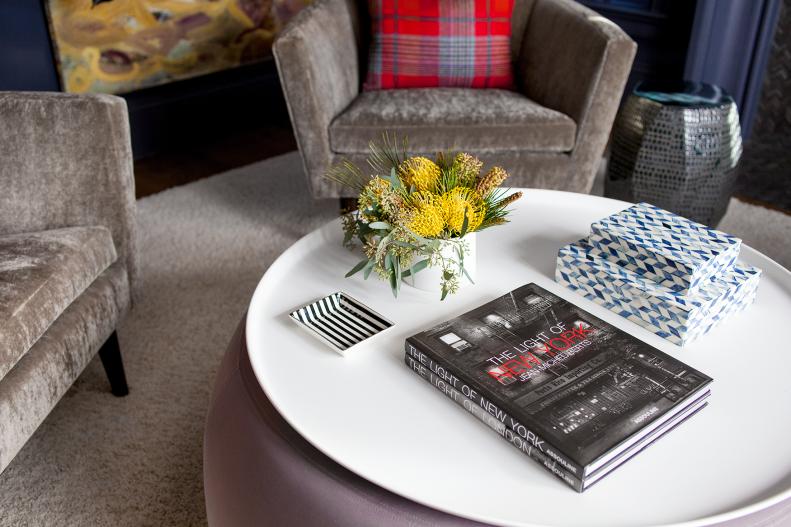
110 353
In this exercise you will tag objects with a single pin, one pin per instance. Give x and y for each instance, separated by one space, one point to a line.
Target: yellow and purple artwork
118 46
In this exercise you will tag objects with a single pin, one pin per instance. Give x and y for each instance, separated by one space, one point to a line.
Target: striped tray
340 321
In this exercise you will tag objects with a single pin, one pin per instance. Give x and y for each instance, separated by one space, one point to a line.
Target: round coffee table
371 415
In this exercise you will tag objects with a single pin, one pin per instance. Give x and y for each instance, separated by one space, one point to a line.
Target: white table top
371 414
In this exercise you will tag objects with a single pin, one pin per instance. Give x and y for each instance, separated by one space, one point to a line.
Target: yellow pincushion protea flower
424 218
461 202
421 173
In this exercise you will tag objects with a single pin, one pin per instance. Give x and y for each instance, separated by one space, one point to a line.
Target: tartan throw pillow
431 43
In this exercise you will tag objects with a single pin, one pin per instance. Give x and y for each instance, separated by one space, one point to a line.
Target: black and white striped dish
340 321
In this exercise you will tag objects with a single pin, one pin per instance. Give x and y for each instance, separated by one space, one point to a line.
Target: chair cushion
440 43
41 274
43 375
438 119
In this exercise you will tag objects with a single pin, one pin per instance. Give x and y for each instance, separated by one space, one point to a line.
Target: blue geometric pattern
668 274
665 247
677 318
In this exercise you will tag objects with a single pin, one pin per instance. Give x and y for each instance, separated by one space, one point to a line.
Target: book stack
565 388
677 278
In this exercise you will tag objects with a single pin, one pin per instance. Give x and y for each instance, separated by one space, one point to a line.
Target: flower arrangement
411 209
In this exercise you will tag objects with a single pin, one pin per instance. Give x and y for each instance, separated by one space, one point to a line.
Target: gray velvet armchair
67 250
570 63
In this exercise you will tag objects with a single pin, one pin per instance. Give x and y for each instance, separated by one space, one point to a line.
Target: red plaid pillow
429 43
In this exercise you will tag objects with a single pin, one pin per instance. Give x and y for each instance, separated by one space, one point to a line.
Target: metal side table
676 146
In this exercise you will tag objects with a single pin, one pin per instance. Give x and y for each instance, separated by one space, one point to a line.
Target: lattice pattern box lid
676 317
673 251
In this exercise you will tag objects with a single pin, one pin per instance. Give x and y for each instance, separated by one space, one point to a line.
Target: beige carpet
99 460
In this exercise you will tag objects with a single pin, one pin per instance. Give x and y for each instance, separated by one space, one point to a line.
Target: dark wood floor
187 163
184 164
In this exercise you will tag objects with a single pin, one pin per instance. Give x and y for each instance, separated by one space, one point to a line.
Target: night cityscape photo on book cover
580 390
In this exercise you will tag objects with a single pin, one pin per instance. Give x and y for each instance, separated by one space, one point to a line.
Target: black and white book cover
577 387
495 424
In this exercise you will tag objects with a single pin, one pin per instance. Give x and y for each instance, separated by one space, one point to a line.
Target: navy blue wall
26 60
661 29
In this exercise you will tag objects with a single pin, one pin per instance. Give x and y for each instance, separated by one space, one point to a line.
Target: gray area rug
100 460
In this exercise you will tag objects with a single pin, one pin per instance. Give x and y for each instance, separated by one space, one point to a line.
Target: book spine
451 376
492 422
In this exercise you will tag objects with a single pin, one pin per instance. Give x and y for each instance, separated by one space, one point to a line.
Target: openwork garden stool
676 146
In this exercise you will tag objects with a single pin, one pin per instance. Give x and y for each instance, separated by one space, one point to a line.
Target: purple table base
258 470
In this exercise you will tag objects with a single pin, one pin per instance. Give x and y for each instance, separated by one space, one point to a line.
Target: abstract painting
118 46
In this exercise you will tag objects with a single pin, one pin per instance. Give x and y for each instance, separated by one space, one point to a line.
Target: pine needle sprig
348 175
387 154
496 203
504 202
449 178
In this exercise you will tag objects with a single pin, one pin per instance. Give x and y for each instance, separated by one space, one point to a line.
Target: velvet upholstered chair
67 250
571 66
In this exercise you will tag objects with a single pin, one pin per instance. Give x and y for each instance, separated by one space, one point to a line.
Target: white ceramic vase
430 278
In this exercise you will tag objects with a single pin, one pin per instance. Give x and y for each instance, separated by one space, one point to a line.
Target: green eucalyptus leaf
416 268
391 266
356 268
380 226
381 245
460 252
406 245
444 293
467 274
419 238
363 231
368 268
395 181
465 224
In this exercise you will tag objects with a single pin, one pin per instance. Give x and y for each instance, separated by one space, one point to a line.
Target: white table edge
736 513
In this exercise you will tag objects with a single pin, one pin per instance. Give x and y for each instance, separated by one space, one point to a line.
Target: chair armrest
317 59
577 62
66 161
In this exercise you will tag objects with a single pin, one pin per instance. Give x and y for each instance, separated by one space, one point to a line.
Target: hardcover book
582 393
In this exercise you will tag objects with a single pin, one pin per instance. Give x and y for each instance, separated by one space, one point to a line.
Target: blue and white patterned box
678 317
664 247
